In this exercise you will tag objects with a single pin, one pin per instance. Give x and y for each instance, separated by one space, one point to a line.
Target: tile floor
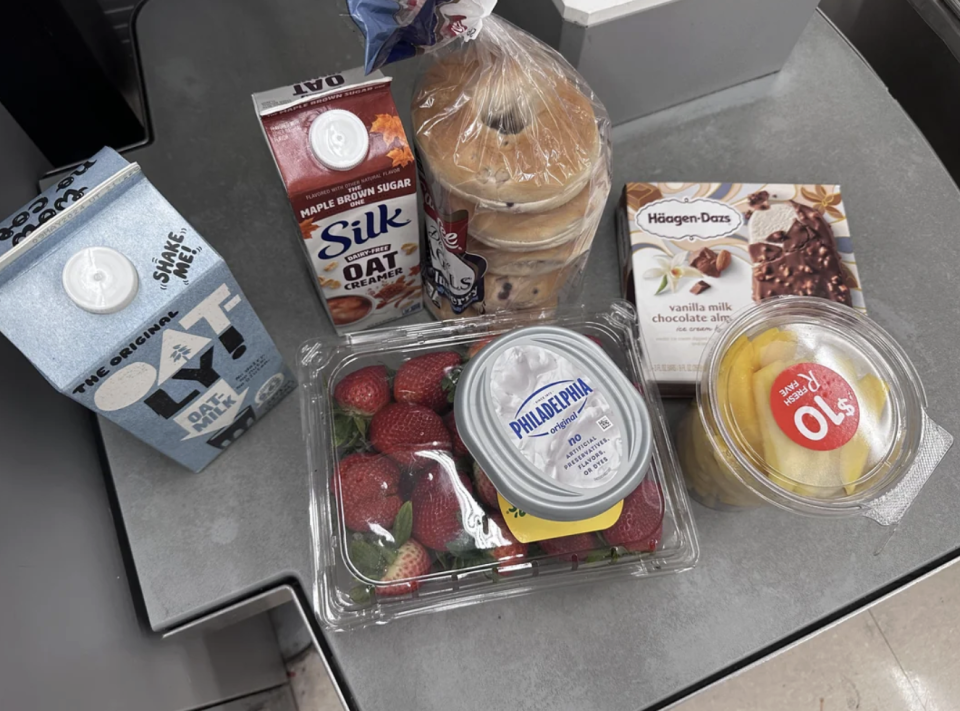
901 654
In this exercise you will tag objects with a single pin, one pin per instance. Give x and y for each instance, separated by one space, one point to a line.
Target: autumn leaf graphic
401 157
307 227
390 128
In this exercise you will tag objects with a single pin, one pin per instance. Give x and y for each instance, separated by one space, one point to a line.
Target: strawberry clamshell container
464 461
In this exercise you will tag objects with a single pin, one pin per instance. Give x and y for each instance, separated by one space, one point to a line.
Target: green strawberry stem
361 594
371 555
450 381
361 424
441 560
472 559
367 559
403 524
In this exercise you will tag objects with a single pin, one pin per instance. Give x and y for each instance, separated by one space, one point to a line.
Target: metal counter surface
200 542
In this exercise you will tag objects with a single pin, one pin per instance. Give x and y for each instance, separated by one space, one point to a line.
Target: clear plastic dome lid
814 404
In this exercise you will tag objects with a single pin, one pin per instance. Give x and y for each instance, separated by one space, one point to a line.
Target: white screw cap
100 280
339 139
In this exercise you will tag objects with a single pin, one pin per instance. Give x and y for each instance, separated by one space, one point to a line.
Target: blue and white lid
556 425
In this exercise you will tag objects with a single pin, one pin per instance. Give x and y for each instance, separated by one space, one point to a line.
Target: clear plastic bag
514 154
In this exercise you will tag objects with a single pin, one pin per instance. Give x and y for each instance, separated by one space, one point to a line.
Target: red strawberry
412 561
366 486
511 550
641 524
485 488
459 448
420 380
405 432
408 479
572 547
364 392
477 347
439 499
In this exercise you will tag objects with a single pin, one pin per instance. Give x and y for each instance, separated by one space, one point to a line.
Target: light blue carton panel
187 366
57 198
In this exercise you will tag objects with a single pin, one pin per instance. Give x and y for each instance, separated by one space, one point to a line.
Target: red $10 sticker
815 406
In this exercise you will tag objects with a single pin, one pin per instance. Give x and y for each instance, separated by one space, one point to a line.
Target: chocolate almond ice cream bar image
794 253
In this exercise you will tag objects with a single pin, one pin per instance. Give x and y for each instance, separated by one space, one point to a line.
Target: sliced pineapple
790 465
872 394
740 399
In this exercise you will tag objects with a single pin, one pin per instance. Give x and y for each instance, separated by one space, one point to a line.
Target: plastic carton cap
100 280
339 139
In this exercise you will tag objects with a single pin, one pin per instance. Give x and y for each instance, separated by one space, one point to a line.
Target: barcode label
604 424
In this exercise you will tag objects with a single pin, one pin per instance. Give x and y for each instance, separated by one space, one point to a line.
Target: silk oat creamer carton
121 305
350 175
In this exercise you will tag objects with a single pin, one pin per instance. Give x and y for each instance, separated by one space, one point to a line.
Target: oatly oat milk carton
351 177
121 305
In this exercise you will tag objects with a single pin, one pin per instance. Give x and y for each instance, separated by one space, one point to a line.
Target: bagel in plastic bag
514 157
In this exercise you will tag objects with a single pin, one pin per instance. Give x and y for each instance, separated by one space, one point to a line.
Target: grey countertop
72 636
201 541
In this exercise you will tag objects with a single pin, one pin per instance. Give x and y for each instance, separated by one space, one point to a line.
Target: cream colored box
761 240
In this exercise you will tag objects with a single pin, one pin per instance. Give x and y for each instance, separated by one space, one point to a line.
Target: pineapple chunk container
812 407
424 500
